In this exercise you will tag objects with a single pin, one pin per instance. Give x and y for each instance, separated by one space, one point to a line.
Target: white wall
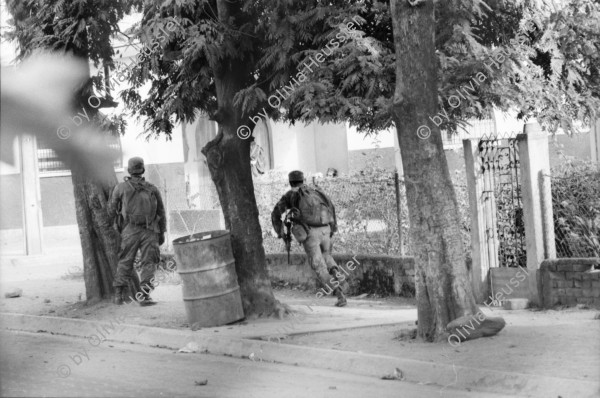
312 148
156 151
506 122
285 154
305 145
331 147
383 139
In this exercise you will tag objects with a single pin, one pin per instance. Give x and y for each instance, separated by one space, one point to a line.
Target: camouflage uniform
146 238
318 243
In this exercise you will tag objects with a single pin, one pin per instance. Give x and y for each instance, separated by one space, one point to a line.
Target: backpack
140 205
314 210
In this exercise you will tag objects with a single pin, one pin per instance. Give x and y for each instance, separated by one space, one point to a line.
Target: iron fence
576 211
502 201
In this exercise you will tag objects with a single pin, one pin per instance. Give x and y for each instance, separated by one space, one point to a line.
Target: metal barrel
207 268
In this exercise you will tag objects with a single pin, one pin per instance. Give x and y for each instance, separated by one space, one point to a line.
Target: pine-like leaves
549 71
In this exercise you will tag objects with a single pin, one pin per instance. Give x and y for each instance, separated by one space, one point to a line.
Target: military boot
341 299
147 301
118 298
333 270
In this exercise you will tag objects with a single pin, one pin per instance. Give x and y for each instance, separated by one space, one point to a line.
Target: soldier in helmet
144 225
313 216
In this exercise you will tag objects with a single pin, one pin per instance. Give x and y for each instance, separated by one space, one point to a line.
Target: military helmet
135 166
296 176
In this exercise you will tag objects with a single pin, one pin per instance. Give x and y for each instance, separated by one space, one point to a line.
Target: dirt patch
552 343
65 297
42 297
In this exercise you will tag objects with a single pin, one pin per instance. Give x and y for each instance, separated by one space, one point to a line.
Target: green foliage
355 82
552 74
576 206
83 28
264 41
572 91
510 226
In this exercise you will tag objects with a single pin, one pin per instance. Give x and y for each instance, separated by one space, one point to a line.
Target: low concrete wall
373 274
569 281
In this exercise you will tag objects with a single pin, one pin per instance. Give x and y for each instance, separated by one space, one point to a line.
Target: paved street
31 363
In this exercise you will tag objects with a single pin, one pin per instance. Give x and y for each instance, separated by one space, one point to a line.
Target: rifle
120 220
287 236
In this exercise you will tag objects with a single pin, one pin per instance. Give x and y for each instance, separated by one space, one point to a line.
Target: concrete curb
446 376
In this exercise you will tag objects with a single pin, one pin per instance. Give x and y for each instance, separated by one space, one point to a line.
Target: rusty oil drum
207 269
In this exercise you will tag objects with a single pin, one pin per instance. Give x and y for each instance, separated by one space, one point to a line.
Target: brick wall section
390 271
569 281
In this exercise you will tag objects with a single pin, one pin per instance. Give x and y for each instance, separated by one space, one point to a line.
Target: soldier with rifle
311 219
287 236
140 214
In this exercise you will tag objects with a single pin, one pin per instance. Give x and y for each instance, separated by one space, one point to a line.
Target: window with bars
50 163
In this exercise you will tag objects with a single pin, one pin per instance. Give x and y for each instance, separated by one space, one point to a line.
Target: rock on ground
14 293
470 327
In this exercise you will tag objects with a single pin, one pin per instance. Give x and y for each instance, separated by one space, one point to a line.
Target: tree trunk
228 159
100 242
443 288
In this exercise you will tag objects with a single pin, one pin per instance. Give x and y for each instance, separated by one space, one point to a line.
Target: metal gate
502 202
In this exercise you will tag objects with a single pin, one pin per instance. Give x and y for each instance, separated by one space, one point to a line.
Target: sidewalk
549 353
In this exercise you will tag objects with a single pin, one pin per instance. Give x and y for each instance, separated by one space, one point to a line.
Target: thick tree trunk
444 291
228 159
99 240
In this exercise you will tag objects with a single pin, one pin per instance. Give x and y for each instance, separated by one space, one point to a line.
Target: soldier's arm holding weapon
287 236
283 229
278 211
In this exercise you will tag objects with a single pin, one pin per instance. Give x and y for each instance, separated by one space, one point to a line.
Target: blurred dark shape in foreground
37 99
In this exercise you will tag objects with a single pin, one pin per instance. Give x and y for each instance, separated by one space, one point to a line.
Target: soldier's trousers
132 239
318 249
